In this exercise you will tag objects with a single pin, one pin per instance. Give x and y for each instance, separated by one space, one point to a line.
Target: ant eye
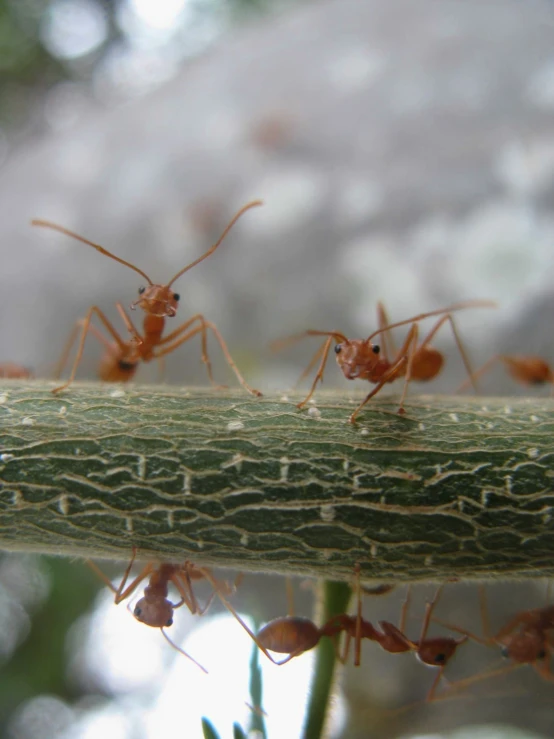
338 349
141 290
505 652
169 622
138 612
376 349
176 297
541 654
440 658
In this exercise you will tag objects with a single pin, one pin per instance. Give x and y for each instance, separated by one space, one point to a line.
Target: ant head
157 612
157 300
354 358
524 646
437 652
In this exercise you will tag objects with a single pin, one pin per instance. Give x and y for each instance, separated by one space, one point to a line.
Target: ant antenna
252 204
182 651
105 252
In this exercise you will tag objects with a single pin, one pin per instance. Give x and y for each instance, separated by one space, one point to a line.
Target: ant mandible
360 359
159 302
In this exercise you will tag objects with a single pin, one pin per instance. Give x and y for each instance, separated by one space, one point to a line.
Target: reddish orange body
526 639
360 359
154 608
292 635
121 359
527 370
289 635
11 371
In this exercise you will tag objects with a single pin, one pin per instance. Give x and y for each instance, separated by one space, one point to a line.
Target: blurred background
405 152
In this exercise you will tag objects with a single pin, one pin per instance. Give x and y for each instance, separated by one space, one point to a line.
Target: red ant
11 371
293 635
525 639
360 359
154 608
433 651
159 302
527 370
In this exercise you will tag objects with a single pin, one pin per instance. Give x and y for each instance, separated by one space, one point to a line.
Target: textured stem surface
457 486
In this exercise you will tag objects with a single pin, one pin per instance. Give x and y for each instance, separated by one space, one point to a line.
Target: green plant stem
458 486
335 597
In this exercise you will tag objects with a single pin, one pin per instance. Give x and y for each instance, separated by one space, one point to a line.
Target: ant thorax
158 300
359 359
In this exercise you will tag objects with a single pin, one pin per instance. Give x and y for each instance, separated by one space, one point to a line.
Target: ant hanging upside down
154 608
293 635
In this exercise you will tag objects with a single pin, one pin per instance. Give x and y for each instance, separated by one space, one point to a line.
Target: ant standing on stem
159 302
360 359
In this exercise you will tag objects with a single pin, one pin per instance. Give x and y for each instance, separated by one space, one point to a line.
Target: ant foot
401 411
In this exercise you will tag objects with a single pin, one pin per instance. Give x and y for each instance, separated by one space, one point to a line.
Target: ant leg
427 340
311 365
409 350
71 340
178 334
67 350
319 374
387 377
183 584
429 608
387 342
202 328
129 325
479 372
435 685
290 596
405 609
455 687
210 578
230 361
121 593
85 329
